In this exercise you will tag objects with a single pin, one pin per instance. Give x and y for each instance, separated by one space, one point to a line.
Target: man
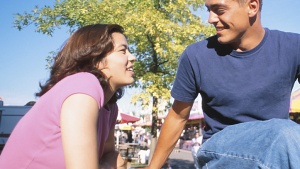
245 74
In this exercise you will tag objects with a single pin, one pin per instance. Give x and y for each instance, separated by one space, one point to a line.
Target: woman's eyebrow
122 45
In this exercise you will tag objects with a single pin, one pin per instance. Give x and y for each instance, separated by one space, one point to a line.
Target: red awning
126 118
196 116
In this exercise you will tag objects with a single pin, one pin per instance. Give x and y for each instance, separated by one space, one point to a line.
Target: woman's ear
101 65
254 6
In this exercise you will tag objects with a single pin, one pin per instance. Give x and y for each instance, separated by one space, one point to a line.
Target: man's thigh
258 144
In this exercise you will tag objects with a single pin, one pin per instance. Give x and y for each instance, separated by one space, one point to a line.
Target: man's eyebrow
215 5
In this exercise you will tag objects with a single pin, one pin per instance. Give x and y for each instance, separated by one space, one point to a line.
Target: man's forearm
167 140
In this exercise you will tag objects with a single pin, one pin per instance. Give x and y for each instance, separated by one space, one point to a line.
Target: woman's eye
123 50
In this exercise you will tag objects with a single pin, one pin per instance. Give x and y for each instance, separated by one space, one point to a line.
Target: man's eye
220 11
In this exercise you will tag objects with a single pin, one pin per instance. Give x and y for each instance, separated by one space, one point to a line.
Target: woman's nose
131 57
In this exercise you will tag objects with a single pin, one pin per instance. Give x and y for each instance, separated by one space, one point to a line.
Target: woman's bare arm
79 115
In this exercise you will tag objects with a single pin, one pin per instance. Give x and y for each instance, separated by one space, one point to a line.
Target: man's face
230 19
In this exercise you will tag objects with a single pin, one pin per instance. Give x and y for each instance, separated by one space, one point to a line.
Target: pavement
181 159
178 159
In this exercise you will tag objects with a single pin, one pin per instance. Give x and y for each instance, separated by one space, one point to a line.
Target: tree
158 31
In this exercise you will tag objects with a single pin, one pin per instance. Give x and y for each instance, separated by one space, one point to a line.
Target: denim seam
234 156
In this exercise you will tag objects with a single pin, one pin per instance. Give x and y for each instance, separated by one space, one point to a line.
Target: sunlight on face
118 65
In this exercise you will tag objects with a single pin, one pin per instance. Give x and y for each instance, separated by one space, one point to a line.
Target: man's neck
252 36
250 39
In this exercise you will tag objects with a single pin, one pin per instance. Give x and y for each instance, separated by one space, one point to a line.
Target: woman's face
118 65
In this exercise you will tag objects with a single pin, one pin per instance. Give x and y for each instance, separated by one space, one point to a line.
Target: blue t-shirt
239 86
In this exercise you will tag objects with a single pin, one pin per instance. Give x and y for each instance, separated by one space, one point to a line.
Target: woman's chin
129 82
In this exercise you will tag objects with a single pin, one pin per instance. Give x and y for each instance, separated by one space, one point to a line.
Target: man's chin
223 41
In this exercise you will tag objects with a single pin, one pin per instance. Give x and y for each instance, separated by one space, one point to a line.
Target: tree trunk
153 127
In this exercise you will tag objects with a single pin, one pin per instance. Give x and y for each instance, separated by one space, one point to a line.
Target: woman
72 124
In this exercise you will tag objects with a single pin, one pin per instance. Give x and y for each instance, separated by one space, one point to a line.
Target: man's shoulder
280 33
202 45
283 39
205 43
209 46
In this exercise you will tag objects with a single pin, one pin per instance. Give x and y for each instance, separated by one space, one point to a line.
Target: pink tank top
36 142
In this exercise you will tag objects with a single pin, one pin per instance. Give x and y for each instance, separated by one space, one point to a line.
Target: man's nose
213 17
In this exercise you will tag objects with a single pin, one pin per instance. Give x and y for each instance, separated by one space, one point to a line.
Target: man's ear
254 6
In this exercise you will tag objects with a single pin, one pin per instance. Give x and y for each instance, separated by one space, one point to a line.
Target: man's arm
170 132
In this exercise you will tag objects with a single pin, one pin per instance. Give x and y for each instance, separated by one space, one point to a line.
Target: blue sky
23 53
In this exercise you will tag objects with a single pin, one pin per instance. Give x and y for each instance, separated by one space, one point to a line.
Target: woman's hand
112 160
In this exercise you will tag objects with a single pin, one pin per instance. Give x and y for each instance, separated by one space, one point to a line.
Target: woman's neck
108 95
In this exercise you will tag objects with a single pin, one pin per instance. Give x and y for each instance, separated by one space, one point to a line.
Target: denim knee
287 131
284 149
260 144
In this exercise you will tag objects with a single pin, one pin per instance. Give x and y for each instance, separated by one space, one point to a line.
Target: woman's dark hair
81 53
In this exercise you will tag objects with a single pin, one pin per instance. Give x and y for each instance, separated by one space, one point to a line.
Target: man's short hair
242 2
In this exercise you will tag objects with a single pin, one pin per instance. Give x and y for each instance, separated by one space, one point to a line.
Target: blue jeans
271 144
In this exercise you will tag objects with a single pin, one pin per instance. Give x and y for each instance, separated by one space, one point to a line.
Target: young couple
244 73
